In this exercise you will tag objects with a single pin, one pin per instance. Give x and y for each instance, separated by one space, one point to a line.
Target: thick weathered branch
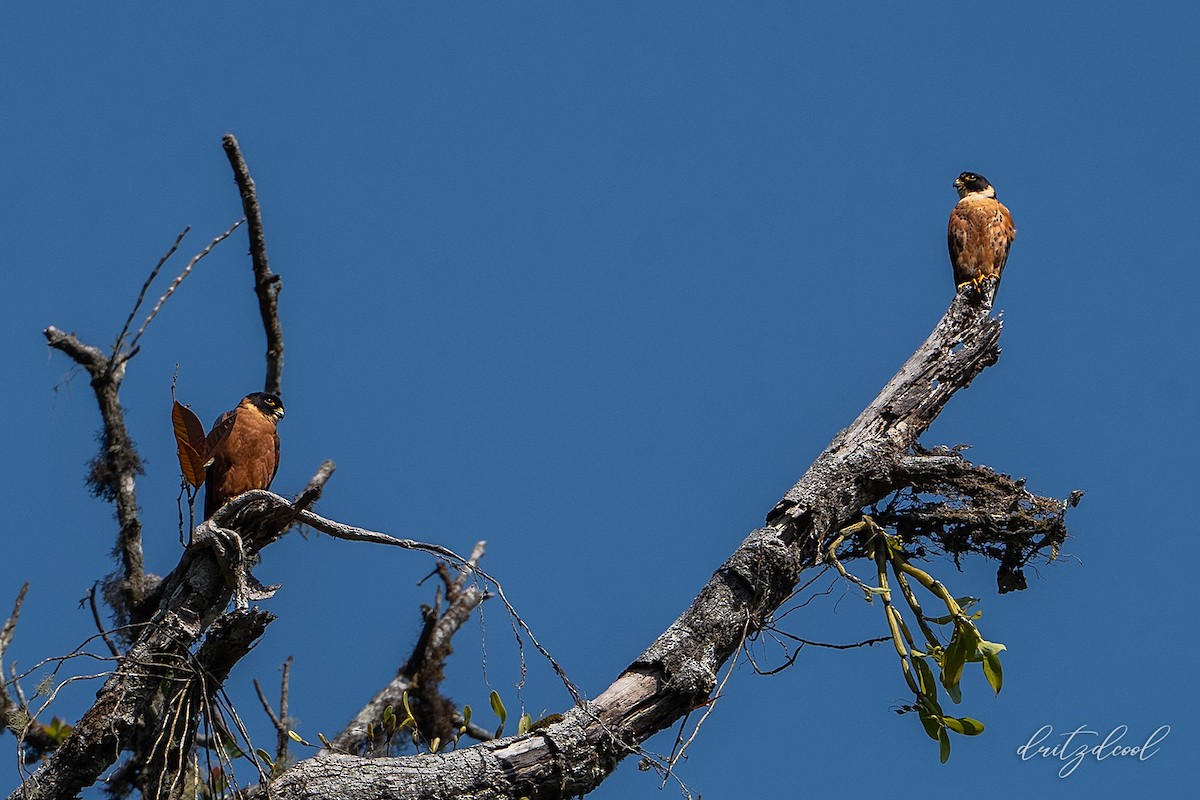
267 285
189 600
679 671
871 459
861 461
191 691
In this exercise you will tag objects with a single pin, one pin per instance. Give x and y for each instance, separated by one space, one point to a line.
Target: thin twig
850 646
266 704
775 634
829 590
146 286
279 721
354 534
112 648
179 279
229 709
15 681
10 625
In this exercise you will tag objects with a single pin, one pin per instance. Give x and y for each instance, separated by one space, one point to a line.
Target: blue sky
595 283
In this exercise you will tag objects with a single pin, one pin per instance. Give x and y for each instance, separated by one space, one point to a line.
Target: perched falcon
981 231
248 456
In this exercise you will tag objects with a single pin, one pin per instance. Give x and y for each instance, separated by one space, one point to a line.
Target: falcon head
265 403
970 183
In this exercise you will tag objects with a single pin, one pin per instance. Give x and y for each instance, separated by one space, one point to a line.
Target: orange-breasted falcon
981 231
248 457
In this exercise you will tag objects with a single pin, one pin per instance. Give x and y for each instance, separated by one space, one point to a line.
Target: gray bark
865 463
876 457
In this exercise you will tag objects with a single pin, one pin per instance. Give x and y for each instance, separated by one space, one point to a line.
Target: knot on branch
768 567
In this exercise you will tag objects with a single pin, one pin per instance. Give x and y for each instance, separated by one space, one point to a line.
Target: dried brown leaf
190 440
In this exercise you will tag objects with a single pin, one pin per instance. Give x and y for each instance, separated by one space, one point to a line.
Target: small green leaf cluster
918 662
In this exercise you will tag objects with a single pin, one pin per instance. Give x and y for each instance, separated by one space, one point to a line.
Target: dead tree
185 632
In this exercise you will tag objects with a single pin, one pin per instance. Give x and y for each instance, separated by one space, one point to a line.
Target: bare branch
7 704
282 739
351 533
278 721
112 647
830 646
266 284
679 671
187 602
680 750
422 673
145 287
196 591
316 485
775 633
266 705
10 625
114 471
187 270
90 358
861 458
